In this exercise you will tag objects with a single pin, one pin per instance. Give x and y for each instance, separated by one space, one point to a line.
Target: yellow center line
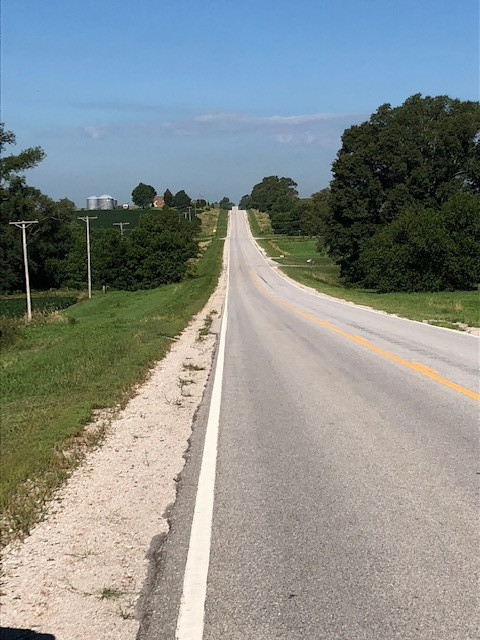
415 366
424 367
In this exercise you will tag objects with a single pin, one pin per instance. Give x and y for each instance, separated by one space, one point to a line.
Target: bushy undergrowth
425 249
155 252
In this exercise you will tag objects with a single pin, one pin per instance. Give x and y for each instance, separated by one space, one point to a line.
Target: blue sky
210 96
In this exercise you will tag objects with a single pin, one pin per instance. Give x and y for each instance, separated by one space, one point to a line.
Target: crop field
15 306
106 219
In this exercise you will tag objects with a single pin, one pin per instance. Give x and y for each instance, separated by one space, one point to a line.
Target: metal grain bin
92 203
106 202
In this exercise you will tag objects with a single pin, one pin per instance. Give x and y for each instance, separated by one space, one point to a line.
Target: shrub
425 249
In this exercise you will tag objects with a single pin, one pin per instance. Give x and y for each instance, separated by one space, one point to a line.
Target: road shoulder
90 555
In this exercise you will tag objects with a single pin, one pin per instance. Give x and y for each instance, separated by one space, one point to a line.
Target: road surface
346 504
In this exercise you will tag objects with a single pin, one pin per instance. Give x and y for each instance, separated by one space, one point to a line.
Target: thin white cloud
283 138
95 133
323 129
274 120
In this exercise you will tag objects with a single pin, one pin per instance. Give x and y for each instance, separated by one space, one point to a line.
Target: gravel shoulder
80 572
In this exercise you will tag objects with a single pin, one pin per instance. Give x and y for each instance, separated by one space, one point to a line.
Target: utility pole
23 224
121 225
89 266
189 213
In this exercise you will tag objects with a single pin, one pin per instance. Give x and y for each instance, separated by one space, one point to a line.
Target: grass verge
209 220
259 223
453 309
56 375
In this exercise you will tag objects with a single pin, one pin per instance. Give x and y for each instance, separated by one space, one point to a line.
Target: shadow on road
7 633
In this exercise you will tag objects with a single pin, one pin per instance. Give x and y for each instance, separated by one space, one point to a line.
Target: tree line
402 212
158 251
289 214
144 194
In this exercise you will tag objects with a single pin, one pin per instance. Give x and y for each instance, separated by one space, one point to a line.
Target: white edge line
347 303
192 605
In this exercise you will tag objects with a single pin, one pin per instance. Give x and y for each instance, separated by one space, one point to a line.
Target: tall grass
259 223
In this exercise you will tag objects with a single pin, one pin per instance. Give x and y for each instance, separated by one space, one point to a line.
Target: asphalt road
346 502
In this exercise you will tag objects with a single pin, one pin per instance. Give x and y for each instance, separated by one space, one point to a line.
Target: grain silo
92 203
106 202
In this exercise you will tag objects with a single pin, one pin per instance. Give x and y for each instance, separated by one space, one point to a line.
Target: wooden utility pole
121 225
23 224
89 267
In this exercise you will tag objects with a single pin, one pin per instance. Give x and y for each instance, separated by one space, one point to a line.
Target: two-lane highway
346 502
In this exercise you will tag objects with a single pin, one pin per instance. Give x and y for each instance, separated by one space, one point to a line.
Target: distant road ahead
346 483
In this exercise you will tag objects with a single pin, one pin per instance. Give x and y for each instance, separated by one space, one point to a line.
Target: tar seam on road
190 620
416 366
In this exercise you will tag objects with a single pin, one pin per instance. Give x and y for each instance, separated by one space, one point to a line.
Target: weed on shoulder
110 593
205 330
188 366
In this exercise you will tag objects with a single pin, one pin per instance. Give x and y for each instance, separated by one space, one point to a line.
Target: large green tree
314 222
109 251
182 201
427 249
245 202
278 197
225 203
143 195
48 242
419 154
159 249
168 198
270 190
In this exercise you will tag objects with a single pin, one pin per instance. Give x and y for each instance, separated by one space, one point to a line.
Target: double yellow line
416 366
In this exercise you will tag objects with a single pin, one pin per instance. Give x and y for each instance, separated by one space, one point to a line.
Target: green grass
253 222
222 222
444 308
259 223
209 220
55 375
